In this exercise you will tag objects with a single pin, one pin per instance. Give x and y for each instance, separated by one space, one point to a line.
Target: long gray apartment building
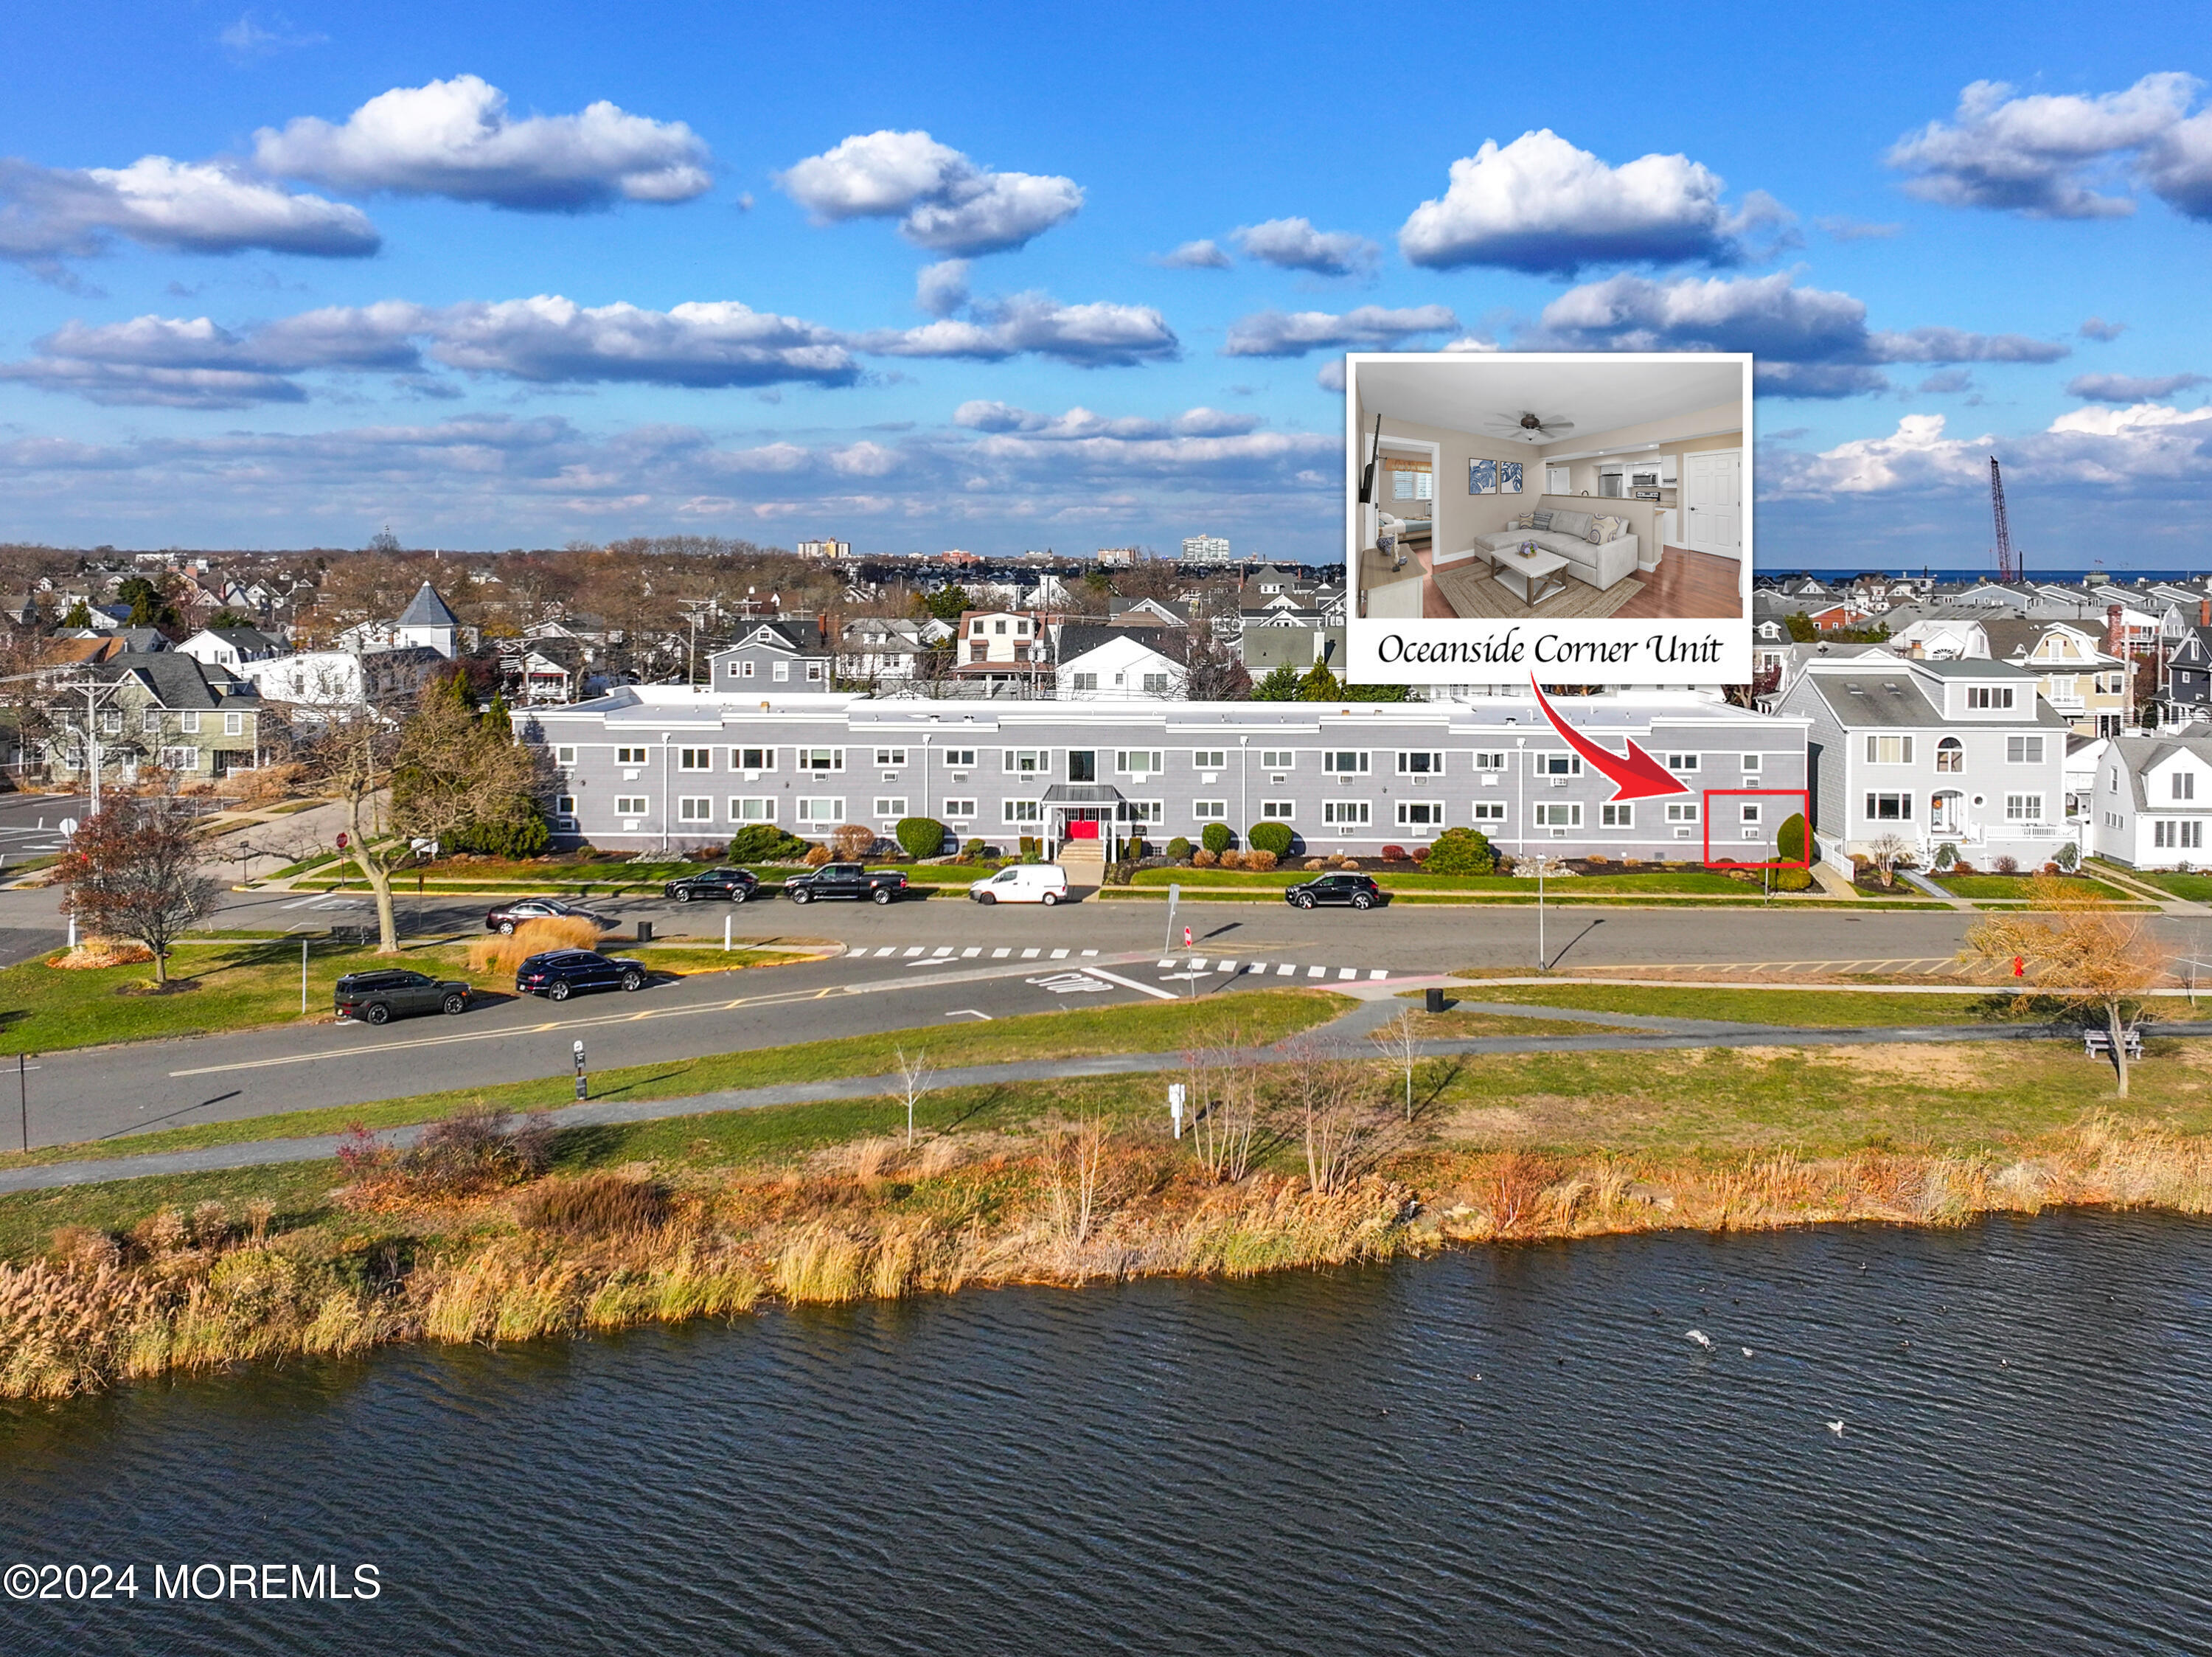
648 767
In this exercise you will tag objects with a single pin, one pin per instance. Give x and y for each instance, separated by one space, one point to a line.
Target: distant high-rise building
1206 549
1118 555
825 549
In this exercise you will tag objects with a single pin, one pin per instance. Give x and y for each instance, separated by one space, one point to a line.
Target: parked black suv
881 886
560 973
507 916
735 884
373 997
1358 890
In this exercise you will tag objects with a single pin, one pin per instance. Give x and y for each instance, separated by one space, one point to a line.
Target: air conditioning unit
1561 782
1559 834
1683 834
1755 834
1278 779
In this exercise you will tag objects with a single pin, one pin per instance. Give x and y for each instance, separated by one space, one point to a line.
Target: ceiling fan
1527 426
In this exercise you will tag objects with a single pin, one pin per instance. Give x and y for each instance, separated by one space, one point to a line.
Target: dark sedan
560 973
508 916
376 997
733 884
1356 890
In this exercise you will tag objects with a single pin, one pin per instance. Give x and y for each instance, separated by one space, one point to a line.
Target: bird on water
1702 1338
1837 1427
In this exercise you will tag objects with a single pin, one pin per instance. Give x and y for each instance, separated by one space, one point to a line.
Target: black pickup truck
880 885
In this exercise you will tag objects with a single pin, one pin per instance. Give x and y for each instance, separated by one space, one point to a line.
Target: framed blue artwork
1482 477
1509 477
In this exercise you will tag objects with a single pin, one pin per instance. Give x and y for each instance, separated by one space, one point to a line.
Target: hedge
1276 837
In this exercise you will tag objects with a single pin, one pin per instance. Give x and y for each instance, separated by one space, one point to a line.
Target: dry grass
92 954
498 954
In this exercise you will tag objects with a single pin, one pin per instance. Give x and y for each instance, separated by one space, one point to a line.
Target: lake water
1306 1464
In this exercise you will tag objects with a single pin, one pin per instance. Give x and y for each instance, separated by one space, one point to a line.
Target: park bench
2097 1044
357 936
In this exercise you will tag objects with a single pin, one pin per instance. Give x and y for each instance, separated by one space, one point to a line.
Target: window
1083 765
1555 765
744 670
1491 760
1751 763
694 759
180 759
1342 762
752 759
1210 811
2023 808
1989 696
751 809
1344 813
1490 811
564 755
1027 762
629 756
2168 832
629 805
813 673
1137 762
1143 811
1619 815
782 672
1277 811
890 805
1086 681
1277 759
1559 813
1682 811
1950 755
2184 785
2025 751
1154 684
1889 751
188 723
1889 807
1682 761
565 804
1751 814
1420 813
1020 811
959 811
998 628
149 721
960 760
1209 759
1420 764
694 808
821 759
979 651
975 628
820 811
111 720
891 756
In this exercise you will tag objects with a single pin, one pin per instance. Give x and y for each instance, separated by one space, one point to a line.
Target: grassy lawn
1255 1017
1805 1008
2197 888
2016 886
237 985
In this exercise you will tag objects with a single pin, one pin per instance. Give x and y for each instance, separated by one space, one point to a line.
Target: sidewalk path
1344 1037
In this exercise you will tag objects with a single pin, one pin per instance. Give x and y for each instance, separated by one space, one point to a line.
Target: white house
334 678
2152 799
426 621
229 646
1929 751
1099 664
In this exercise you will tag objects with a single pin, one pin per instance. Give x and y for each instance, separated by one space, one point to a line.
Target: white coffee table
1528 573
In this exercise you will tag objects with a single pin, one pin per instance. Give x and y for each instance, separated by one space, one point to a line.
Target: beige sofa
1567 532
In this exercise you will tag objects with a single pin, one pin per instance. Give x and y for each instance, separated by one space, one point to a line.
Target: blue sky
279 276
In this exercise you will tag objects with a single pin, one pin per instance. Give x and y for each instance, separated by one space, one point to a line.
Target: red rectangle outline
1805 795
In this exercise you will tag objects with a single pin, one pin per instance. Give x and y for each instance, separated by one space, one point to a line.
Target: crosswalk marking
1376 975
1090 951
1167 966
1316 971
1059 954
1347 972
1031 954
1000 954
1285 971
971 951
942 950
888 949
912 953
1229 967
1196 963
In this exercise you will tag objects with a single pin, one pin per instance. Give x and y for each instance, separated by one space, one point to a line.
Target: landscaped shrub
1260 858
1961 867
1420 854
527 835
1204 859
920 837
2007 865
1216 838
764 843
1462 851
1791 841
1030 851
1595 860
852 842
972 849
1135 847
1121 874
1276 837
1234 859
1393 854
1946 857
1793 879
2070 857
472 1150
817 855
1179 847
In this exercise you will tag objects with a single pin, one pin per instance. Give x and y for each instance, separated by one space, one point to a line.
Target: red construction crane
2007 560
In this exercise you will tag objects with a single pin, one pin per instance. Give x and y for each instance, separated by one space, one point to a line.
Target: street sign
1176 1096
582 1086
69 826
342 842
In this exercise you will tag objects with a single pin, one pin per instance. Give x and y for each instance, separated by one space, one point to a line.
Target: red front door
1083 829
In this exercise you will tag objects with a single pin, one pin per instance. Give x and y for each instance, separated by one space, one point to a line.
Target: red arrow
1640 776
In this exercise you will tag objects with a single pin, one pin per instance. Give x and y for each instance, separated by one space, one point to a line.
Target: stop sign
342 842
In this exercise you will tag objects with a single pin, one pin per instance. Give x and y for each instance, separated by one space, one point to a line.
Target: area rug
1474 592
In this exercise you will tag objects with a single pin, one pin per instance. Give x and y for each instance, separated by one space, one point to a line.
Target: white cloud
1541 205
1295 245
1851 229
1277 333
2115 451
1809 342
1080 422
455 138
247 39
2057 155
48 214
943 200
2097 328
2130 388
942 289
1088 336
1203 255
549 339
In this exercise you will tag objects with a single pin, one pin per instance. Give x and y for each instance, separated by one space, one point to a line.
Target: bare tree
2080 951
914 1082
1211 670
1333 1102
1078 1156
133 871
1399 1043
1887 853
1224 1094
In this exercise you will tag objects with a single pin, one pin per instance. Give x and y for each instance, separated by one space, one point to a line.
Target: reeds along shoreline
195 1291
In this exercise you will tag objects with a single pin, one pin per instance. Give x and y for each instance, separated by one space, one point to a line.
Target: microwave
1647 479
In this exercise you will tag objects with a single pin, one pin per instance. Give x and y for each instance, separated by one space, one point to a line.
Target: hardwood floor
1686 587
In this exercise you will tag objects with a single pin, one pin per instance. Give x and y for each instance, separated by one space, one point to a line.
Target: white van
1022 883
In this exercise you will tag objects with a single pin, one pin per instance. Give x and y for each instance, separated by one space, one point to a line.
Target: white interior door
1713 499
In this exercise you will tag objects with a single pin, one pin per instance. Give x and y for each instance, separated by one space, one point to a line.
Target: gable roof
427 609
1079 638
174 681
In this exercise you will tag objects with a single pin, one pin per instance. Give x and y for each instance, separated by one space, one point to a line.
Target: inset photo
1504 506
